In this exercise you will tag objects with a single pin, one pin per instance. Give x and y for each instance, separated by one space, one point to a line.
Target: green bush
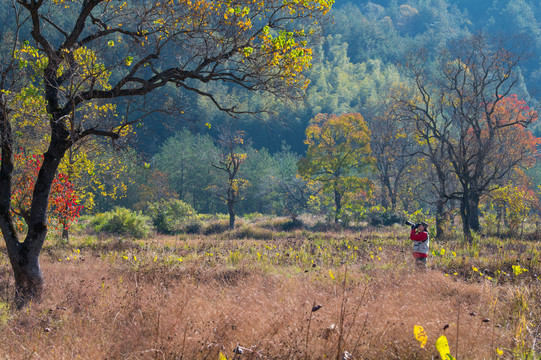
386 218
252 232
216 227
284 224
122 221
174 216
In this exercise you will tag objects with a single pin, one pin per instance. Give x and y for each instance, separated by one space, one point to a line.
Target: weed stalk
457 329
308 330
342 315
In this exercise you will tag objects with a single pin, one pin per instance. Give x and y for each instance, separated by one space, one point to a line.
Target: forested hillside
361 54
360 51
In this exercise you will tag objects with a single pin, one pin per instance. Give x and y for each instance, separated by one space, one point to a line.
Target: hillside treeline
363 63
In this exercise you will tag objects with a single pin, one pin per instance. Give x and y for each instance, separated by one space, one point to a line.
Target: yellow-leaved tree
101 53
87 166
338 156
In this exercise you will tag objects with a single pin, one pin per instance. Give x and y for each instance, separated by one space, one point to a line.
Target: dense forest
178 141
361 54
362 47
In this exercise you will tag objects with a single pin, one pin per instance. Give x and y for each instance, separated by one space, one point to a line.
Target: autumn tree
92 52
80 166
338 153
394 147
64 204
513 204
231 160
468 111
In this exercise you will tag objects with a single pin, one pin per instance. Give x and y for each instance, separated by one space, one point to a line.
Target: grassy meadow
195 296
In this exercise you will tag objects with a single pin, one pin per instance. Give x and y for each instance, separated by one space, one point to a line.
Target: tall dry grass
101 303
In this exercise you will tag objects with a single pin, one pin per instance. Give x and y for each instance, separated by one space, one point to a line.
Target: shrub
216 227
284 224
122 221
252 232
174 216
253 216
386 218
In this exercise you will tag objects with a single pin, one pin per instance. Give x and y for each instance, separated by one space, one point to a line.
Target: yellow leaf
499 352
420 335
443 347
222 356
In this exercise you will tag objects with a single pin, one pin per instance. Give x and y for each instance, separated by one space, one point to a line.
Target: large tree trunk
394 200
24 256
465 215
466 229
386 191
473 200
231 209
439 218
27 272
338 205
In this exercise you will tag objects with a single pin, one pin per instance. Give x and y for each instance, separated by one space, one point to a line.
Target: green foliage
338 154
122 221
5 313
187 161
381 217
215 227
174 216
288 224
253 232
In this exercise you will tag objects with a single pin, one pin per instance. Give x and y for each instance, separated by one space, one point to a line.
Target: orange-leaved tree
468 110
337 157
87 166
94 53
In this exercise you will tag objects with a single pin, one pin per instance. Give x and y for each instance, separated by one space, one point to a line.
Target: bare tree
393 146
464 115
230 163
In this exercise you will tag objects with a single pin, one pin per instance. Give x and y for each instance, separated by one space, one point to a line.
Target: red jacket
419 237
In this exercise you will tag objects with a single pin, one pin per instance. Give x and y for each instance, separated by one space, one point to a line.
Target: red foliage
63 202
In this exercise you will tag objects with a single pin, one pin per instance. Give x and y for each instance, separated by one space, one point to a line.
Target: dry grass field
202 296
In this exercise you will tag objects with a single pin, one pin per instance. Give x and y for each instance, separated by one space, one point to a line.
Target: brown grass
98 308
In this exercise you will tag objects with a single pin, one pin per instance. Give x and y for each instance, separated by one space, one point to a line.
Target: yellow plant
420 335
442 345
517 270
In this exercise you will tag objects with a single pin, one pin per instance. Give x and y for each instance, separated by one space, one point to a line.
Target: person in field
420 238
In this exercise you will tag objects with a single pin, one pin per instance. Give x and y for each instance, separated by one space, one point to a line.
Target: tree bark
24 256
65 233
27 272
393 201
439 219
231 209
389 195
338 205
473 200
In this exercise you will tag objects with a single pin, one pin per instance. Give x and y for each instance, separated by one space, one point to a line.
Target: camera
413 225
